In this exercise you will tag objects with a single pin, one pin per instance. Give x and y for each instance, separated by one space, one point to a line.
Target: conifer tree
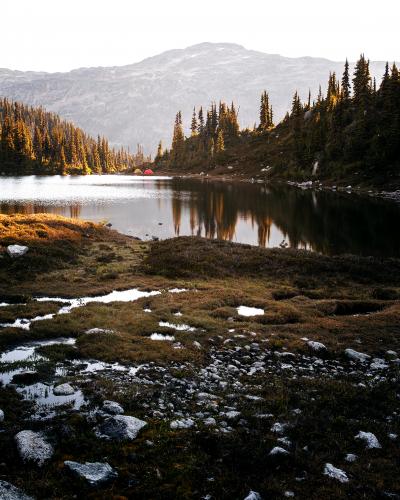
193 125
220 146
346 83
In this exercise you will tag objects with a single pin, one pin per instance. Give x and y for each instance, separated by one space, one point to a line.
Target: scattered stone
196 344
120 427
92 331
370 440
33 447
63 390
278 428
1 416
210 422
357 356
113 408
378 364
95 473
278 451
335 473
10 492
253 495
316 346
185 423
350 457
15 251
232 415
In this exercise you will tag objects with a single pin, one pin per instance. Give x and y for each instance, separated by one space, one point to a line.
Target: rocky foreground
190 368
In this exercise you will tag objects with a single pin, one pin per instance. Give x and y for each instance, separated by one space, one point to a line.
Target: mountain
137 103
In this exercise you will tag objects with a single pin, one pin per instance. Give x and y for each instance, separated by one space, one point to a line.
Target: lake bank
226 351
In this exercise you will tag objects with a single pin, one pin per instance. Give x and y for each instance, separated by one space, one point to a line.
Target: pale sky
60 35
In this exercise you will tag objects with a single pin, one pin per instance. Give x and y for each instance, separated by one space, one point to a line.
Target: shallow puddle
115 296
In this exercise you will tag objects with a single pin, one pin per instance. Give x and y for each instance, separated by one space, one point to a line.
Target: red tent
148 171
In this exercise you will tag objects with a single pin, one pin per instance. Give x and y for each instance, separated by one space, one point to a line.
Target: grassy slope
303 294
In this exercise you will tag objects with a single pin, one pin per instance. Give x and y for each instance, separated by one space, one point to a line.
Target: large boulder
15 251
64 390
10 492
120 428
33 447
95 473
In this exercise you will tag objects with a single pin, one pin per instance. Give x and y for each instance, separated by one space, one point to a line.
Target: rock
196 344
378 364
357 356
278 451
1 416
33 447
253 495
316 346
184 423
15 251
350 457
279 428
210 422
232 415
113 408
63 390
95 473
120 427
335 473
10 492
92 331
370 440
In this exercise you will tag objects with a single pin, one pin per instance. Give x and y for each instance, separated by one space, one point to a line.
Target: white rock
357 356
289 494
378 364
370 440
1 416
63 390
278 451
350 457
184 423
196 344
253 495
15 251
10 492
94 472
231 415
316 346
120 427
335 473
98 330
112 407
33 447
278 428
210 422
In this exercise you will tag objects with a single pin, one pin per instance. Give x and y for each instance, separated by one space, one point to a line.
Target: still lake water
257 214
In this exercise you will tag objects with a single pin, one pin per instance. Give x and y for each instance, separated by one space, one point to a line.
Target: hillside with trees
33 141
350 134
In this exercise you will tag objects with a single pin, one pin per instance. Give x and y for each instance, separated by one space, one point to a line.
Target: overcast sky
59 35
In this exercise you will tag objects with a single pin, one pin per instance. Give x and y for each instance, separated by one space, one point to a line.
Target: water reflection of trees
27 208
326 222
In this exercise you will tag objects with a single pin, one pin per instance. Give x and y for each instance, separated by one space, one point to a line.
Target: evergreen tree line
210 134
33 140
354 126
